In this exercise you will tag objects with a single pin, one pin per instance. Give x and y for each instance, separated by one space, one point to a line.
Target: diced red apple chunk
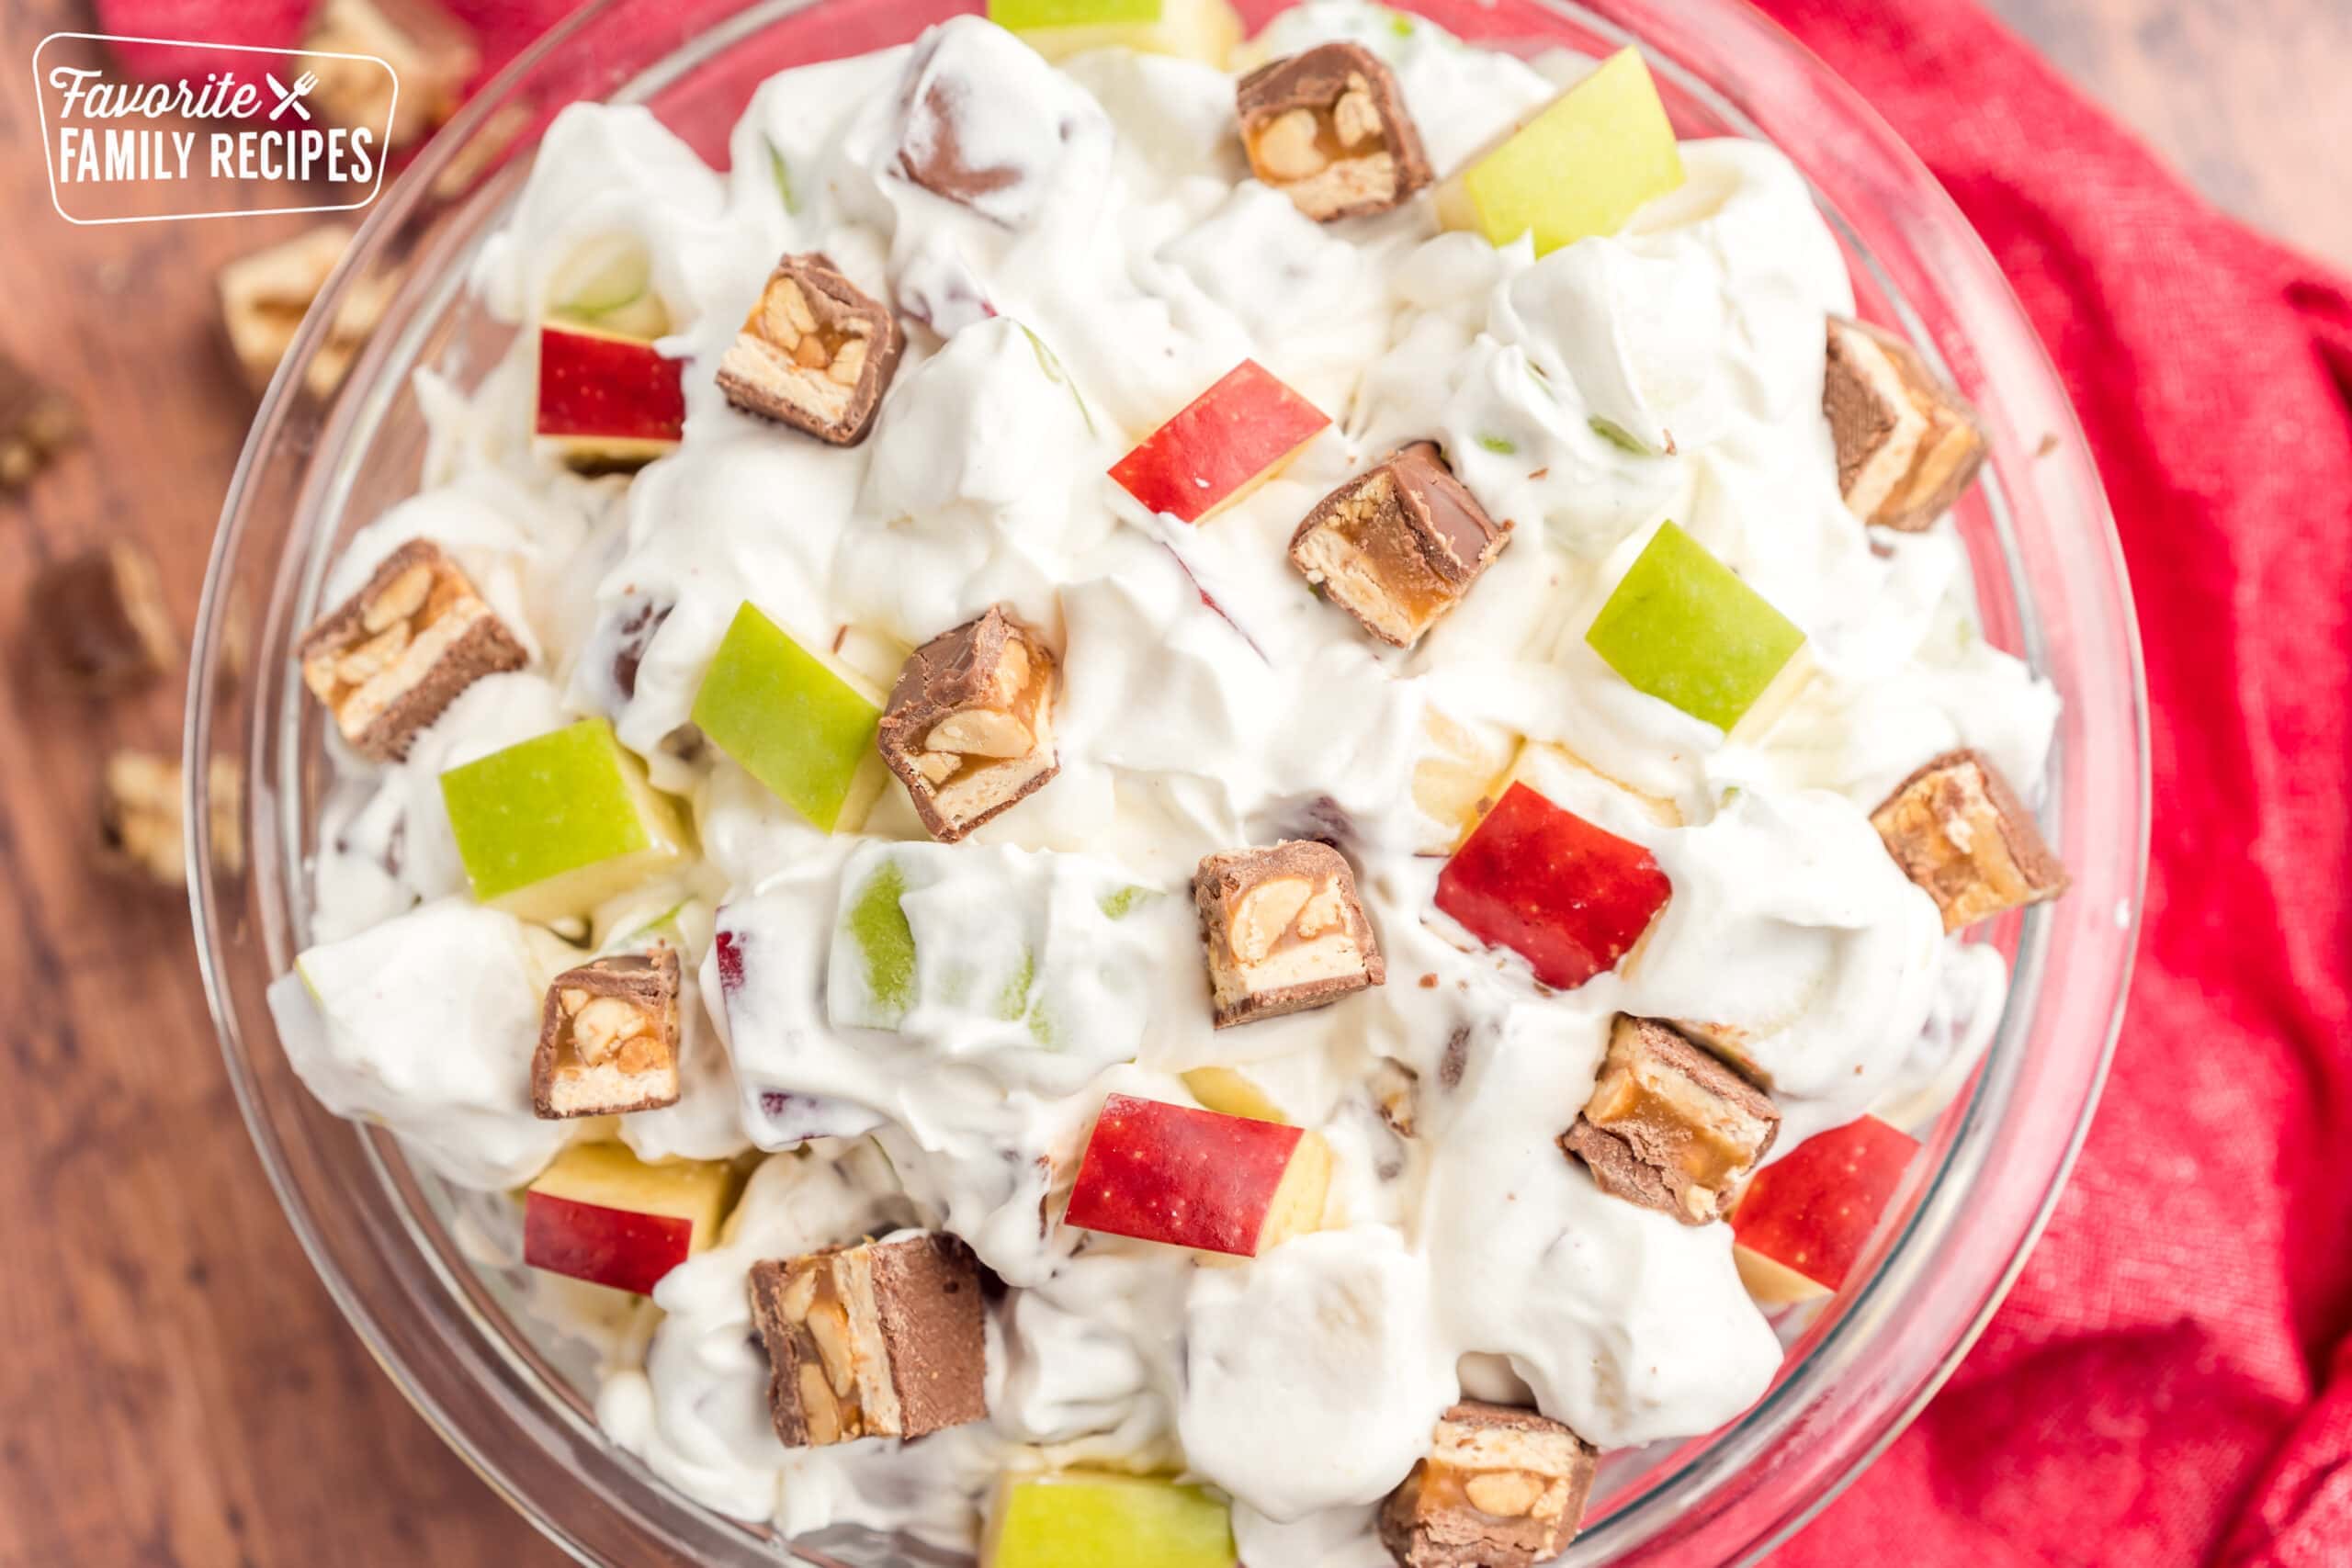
1197 1178
1803 1220
1221 446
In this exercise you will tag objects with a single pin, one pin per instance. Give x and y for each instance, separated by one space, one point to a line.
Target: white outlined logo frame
49 143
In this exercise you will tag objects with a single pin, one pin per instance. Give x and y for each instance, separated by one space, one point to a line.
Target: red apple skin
1174 1174
1219 443
600 386
1569 897
618 1248
1813 1210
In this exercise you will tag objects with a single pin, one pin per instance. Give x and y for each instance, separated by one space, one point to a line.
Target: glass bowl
391 1243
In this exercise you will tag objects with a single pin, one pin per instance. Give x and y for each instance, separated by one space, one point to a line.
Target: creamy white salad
1208 700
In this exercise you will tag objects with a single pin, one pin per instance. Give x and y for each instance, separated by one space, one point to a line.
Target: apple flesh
1076 1519
1196 1179
1229 1091
1205 31
1582 167
793 723
1571 898
1220 446
607 400
1803 1220
1683 627
599 1214
1458 777
553 826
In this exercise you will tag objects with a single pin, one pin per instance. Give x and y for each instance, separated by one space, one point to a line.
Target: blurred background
180 1390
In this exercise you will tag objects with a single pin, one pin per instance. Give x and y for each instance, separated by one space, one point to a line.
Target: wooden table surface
177 1388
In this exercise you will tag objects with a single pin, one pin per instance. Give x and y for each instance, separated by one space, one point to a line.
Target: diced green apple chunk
1683 627
793 722
1206 30
1076 1519
1582 167
554 826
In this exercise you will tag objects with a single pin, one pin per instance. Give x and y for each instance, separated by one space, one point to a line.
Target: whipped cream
1210 701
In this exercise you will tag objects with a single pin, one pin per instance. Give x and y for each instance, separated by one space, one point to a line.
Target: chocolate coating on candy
608 1038
100 616
1398 546
816 353
969 726
1669 1126
1502 1488
1959 830
36 422
1328 128
1285 930
1907 445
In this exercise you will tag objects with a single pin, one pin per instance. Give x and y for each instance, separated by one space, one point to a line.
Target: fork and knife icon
291 97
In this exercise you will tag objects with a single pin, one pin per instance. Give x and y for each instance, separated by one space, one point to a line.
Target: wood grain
176 1388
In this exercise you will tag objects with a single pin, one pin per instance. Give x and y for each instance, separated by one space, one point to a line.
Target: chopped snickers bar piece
1329 130
264 296
1502 1488
969 727
608 1038
882 1339
1398 546
100 615
35 423
1907 445
1959 830
141 826
1669 1127
817 353
400 649
1285 930
431 54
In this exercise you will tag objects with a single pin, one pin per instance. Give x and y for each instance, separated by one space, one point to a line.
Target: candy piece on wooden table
37 421
1502 1488
1192 1178
882 1339
793 722
1581 167
1959 830
1285 930
1800 1225
1907 445
601 1214
1570 897
1399 544
266 294
1085 1518
389 659
431 54
1205 31
1220 446
608 1037
608 402
553 826
816 353
99 617
143 824
1328 128
1668 1127
969 726
1684 627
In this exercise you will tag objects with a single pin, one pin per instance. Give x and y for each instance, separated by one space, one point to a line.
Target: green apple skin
1684 627
1022 15
1205 31
553 826
792 723
1082 1520
1579 168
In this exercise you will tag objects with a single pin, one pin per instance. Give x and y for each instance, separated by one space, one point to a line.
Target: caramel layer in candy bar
1329 130
393 655
1398 546
1285 930
970 726
1502 1488
817 353
608 1038
100 615
430 53
36 422
1907 445
141 826
882 1339
1959 830
1669 1127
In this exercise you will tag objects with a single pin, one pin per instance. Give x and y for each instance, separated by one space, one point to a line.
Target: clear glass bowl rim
1837 1406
